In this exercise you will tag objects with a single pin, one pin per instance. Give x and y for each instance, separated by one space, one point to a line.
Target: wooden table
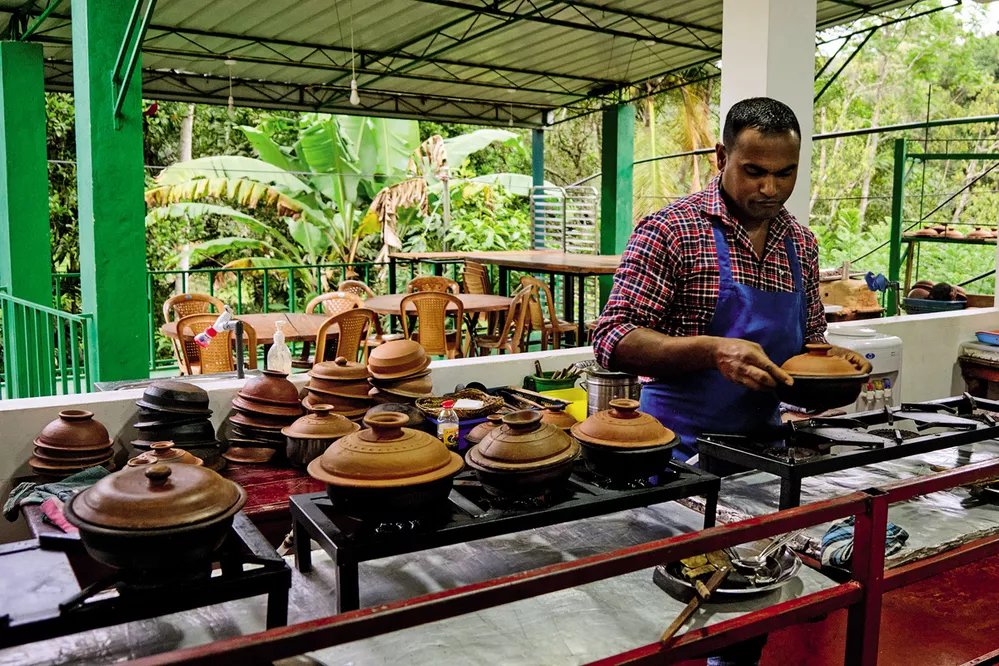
390 304
300 327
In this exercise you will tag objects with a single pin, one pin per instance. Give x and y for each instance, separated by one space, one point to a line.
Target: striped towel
837 543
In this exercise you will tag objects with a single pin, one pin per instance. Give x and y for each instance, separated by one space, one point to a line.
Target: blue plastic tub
926 305
988 337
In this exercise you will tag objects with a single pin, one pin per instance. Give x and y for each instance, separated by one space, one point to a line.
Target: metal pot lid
322 423
818 362
623 426
386 455
157 497
339 369
523 442
180 393
597 371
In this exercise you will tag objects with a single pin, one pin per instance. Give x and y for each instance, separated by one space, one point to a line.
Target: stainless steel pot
602 386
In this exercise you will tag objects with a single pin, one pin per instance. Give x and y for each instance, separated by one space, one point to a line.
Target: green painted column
538 169
897 211
25 242
110 181
617 156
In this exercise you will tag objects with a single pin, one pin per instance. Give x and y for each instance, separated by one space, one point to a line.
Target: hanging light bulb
355 99
231 108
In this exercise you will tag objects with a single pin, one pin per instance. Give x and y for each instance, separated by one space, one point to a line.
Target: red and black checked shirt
668 277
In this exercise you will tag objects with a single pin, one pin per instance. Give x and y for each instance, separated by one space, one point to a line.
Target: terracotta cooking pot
818 362
919 292
622 443
397 358
558 417
476 434
164 452
309 436
339 370
821 381
271 388
74 429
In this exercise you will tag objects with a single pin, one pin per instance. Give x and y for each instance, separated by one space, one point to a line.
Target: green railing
45 351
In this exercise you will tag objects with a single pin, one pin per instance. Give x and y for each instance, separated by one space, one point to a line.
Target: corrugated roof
480 61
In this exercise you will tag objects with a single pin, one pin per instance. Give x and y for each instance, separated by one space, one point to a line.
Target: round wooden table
472 303
300 327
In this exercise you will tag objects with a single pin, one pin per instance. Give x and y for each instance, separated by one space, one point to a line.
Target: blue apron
704 401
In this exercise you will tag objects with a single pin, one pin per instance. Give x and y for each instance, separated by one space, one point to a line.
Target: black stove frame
748 452
349 541
244 545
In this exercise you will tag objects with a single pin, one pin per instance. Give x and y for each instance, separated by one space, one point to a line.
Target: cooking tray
785 565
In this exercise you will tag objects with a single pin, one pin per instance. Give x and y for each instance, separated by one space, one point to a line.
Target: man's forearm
653 354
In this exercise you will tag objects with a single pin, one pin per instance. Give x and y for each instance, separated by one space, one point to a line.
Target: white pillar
768 50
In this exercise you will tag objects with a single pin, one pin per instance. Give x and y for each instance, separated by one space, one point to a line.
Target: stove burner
890 433
790 453
396 527
619 483
522 503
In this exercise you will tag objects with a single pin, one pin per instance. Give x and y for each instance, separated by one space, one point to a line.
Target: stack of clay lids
623 427
174 411
164 453
264 406
341 384
70 444
400 372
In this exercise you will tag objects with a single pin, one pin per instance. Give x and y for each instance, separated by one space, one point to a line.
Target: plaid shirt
668 277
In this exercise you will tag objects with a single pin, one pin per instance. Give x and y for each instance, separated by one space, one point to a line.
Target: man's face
759 172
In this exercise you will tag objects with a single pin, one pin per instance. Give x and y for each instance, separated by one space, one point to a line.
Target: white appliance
885 354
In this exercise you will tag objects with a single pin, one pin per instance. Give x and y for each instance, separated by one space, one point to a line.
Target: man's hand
746 364
862 365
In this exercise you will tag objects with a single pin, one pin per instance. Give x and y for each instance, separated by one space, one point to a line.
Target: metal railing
45 351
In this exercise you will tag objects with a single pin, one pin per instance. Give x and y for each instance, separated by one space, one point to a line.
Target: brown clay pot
953 233
309 436
924 284
270 388
248 406
623 426
164 452
339 370
357 389
476 434
310 401
928 232
818 362
253 455
939 228
411 387
919 292
558 417
75 429
397 359
978 232
341 403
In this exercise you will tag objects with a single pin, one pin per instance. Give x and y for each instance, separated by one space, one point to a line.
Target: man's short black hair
763 114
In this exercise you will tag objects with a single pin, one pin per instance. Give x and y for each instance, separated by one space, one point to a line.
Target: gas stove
820 445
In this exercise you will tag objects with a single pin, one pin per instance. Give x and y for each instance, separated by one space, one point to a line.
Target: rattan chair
357 288
218 356
512 337
331 303
590 327
431 316
351 337
433 283
183 305
551 327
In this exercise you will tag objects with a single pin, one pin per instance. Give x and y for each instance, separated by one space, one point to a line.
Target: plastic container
576 397
279 356
546 383
447 425
925 305
988 337
464 427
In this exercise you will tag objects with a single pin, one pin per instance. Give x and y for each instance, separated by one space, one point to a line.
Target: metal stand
469 516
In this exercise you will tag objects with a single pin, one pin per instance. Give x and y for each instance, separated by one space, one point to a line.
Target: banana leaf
311 237
268 150
194 211
460 147
212 248
232 167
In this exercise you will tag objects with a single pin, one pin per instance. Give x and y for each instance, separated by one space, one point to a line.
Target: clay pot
164 452
979 233
818 362
358 389
397 359
339 370
418 386
246 405
249 454
341 403
919 292
62 469
309 436
310 401
258 421
387 471
928 232
939 228
478 433
623 426
75 429
953 233
417 419
171 396
558 417
271 388
924 284
155 517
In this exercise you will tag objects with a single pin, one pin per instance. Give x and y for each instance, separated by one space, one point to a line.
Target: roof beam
493 10
627 13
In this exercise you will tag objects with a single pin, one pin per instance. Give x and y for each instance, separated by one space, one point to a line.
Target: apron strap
724 258
792 259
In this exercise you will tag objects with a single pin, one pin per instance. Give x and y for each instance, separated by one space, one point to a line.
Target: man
717 290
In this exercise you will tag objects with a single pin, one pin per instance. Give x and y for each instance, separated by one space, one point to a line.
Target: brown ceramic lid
164 452
357 389
157 497
310 401
396 359
953 233
339 369
623 426
322 423
272 388
926 232
407 386
558 417
386 455
523 442
340 402
476 434
74 429
249 454
253 407
818 362
400 372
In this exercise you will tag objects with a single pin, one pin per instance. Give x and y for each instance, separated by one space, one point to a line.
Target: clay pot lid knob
624 408
386 425
523 421
322 410
162 447
158 475
340 361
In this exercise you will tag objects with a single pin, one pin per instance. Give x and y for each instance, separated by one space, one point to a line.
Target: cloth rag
31 493
837 542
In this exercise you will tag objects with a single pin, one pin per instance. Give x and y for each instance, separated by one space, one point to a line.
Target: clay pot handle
523 421
321 409
817 349
75 415
624 408
161 447
158 475
386 425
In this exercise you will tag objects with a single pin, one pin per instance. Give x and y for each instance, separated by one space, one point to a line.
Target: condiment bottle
447 425
279 356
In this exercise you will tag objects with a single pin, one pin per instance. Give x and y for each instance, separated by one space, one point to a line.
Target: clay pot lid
311 400
978 232
339 401
322 423
253 407
412 370
376 391
953 233
164 452
818 362
339 369
558 417
386 455
929 231
623 426
523 442
476 434
271 388
357 390
157 497
75 429
180 394
249 454
409 385
398 358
